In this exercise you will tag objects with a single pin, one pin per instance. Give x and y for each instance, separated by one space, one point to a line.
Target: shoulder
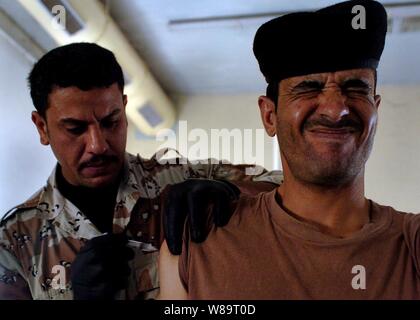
22 222
398 218
399 221
409 222
161 170
22 210
411 230
411 225
249 209
155 165
16 231
408 225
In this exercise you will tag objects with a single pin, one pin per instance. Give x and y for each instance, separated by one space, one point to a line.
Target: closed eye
109 123
356 86
76 130
308 86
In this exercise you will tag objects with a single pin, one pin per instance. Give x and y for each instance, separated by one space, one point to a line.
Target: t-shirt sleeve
412 236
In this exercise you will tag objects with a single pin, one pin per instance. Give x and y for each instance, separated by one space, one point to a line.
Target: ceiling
215 56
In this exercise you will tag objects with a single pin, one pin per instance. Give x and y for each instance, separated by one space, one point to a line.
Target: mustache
97 159
346 123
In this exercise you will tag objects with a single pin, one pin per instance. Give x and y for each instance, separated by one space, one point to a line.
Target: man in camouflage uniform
77 92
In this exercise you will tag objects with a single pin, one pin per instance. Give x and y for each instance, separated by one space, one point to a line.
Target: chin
333 177
332 181
99 182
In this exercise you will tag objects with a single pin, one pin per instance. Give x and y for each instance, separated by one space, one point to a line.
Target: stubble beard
330 170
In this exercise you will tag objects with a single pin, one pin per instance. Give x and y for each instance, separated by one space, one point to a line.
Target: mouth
96 168
328 133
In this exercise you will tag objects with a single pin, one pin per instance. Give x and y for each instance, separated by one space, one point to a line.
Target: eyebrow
308 84
356 82
75 122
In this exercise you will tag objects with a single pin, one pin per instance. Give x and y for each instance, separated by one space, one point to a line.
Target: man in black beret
316 236
327 40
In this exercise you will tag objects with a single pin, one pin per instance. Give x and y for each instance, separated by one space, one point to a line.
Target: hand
193 197
101 269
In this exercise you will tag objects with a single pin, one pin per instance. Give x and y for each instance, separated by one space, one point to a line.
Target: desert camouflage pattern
40 238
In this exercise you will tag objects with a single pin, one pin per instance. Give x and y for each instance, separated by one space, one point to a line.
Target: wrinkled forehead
365 74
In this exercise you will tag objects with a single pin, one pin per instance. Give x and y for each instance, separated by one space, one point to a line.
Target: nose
332 104
96 142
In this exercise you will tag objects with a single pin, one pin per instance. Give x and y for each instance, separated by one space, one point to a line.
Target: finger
128 253
198 207
174 216
119 239
116 256
105 251
119 270
104 242
223 209
93 274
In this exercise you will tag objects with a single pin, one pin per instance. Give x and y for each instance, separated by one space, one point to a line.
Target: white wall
230 112
25 163
393 170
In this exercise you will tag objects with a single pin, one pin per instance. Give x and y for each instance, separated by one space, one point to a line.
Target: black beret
303 43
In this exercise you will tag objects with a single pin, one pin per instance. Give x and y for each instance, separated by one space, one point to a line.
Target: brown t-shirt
264 253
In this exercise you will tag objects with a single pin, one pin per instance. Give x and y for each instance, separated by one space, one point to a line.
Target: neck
338 211
97 204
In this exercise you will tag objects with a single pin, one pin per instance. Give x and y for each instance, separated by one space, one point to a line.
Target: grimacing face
87 131
325 125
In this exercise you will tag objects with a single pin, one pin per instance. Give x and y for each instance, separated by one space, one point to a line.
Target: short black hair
273 89
83 65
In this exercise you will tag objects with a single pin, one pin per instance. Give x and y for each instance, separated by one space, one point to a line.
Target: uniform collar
51 203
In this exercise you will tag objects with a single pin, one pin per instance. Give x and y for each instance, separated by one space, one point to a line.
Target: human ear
268 114
41 125
377 100
125 100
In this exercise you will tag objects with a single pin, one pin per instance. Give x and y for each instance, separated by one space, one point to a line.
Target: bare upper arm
171 287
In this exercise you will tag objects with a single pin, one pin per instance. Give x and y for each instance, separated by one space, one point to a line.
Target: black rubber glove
193 198
101 269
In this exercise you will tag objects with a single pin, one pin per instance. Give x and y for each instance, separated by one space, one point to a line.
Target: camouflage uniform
40 238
